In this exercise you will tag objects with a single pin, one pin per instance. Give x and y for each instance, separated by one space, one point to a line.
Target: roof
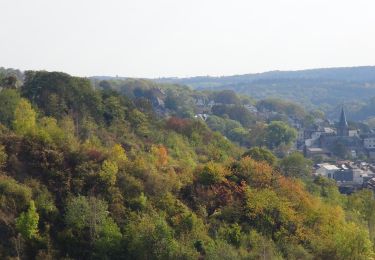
343 166
313 149
328 130
328 166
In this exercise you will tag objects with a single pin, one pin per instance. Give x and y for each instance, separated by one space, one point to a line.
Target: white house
353 132
329 130
327 170
202 116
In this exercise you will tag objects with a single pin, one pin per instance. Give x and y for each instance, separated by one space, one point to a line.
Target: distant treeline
324 88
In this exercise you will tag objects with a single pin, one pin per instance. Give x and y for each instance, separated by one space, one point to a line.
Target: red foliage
186 126
95 155
178 124
219 195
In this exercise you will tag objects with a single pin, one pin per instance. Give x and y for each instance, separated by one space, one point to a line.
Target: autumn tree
210 173
108 172
161 154
117 154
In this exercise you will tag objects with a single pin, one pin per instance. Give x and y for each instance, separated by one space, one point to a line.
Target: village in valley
326 142
339 152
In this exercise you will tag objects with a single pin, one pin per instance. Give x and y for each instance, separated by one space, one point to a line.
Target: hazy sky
152 38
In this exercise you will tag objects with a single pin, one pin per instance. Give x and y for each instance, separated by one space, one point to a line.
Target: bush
211 174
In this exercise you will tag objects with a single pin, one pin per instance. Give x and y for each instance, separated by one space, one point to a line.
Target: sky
181 38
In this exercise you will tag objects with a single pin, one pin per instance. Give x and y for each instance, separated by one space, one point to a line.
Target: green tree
77 212
44 199
59 94
107 246
91 213
13 195
9 82
113 109
88 219
227 97
234 112
339 149
232 235
171 102
105 84
150 237
3 156
261 154
278 133
240 135
325 188
261 247
224 126
27 222
296 165
9 99
49 129
361 206
352 242
281 106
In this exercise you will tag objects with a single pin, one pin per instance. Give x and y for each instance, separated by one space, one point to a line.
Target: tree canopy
91 173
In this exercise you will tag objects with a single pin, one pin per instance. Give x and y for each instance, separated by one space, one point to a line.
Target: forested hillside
95 171
324 88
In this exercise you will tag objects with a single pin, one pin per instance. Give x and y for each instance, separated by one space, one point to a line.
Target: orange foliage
163 155
160 154
256 174
296 193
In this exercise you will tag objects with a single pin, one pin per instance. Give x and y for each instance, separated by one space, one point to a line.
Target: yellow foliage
92 143
49 128
109 171
67 124
24 118
118 155
296 193
256 174
265 201
211 173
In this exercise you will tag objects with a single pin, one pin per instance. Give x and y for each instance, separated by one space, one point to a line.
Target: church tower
343 128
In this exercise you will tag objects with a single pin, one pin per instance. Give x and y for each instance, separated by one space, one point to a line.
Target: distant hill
324 88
